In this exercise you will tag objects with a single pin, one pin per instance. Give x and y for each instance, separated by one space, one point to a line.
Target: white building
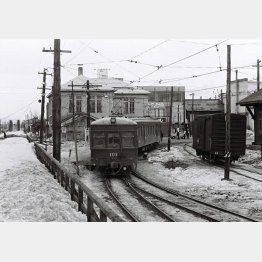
239 90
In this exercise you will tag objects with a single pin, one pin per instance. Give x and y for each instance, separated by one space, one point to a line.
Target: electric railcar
116 141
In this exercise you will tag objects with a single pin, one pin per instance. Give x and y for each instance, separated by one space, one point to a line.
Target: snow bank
28 192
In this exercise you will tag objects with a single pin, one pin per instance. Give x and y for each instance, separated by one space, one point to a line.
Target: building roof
255 98
205 105
105 83
131 92
95 84
163 88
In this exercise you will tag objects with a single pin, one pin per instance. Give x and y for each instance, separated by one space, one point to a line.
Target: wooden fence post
90 207
103 217
72 189
80 199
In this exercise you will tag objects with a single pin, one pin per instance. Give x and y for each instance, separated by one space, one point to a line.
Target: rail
79 192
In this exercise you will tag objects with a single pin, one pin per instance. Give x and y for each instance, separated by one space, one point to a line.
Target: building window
71 104
99 104
78 104
92 104
125 106
132 105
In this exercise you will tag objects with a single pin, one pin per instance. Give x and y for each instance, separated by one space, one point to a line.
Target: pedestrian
177 133
5 135
161 134
187 134
184 134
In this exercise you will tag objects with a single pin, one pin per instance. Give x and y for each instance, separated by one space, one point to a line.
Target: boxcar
209 136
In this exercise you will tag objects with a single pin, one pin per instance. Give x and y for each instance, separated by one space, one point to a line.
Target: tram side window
113 140
128 139
99 140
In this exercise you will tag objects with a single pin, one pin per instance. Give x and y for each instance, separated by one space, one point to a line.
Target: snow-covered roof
253 99
131 92
99 83
119 121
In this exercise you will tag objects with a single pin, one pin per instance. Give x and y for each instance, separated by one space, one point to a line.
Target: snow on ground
204 182
28 191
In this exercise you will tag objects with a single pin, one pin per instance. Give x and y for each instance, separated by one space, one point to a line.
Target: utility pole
74 129
184 109
87 106
43 105
228 114
178 118
56 93
258 76
237 95
170 120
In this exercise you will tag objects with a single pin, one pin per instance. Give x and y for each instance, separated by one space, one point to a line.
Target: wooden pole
237 97
178 118
228 112
170 120
74 129
258 76
87 108
43 106
56 109
56 103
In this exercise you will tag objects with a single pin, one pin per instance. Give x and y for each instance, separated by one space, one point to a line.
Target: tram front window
99 140
114 140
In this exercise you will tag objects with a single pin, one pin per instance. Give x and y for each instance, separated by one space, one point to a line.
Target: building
131 102
159 103
195 107
253 104
241 89
101 98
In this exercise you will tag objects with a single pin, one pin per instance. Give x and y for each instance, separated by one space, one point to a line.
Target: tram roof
119 121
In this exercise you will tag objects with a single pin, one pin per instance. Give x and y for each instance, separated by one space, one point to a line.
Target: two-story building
159 102
107 96
131 102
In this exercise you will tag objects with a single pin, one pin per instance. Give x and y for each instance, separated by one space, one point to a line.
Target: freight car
116 141
209 136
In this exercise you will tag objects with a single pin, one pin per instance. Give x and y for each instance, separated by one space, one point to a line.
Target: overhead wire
182 59
149 49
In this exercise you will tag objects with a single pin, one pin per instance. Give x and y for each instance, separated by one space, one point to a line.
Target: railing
80 193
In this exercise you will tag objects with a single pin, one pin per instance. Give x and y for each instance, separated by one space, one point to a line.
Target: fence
80 193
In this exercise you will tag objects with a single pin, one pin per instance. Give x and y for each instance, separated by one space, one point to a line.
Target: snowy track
253 175
133 203
225 215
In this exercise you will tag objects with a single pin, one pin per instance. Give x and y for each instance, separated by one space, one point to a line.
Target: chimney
80 70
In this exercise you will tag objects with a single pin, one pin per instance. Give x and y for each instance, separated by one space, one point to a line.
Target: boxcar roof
119 121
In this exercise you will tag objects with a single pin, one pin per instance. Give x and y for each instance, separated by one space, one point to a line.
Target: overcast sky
21 60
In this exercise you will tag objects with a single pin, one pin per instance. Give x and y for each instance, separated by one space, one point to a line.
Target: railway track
231 169
114 196
162 199
148 203
199 202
